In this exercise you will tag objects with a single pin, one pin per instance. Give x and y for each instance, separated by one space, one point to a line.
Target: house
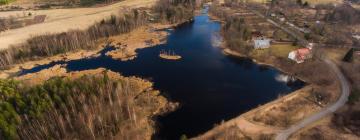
256 34
300 55
356 36
261 43
282 19
310 46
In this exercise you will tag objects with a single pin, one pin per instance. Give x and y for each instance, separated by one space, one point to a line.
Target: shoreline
134 40
230 52
245 124
160 103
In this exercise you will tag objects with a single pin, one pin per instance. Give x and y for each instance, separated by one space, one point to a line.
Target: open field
281 50
61 20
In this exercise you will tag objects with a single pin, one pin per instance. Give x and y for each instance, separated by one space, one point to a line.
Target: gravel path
345 90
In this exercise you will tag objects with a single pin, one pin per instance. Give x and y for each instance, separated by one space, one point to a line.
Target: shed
300 55
261 43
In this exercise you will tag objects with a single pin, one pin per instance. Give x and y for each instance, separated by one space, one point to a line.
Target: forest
176 11
236 32
344 14
89 107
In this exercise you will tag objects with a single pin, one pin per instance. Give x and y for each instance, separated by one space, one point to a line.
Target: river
210 86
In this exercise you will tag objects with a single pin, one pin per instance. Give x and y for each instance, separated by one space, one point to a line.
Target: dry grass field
61 20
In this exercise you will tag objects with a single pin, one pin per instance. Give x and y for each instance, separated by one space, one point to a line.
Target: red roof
302 53
357 52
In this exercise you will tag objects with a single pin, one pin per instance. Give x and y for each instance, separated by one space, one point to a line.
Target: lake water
209 85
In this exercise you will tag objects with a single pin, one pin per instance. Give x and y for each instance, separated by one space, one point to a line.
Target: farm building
261 43
300 55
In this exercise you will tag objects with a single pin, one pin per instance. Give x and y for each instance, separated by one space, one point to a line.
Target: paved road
345 90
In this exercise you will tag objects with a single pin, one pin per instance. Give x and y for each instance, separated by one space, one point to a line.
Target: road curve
345 90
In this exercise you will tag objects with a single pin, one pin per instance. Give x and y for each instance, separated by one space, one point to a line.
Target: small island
170 55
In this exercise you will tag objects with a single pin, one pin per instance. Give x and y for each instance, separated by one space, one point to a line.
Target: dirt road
61 20
345 90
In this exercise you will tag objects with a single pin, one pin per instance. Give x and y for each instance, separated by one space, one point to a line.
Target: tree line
175 11
344 14
52 44
90 107
236 32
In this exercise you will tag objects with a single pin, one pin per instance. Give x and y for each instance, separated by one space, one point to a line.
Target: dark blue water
210 86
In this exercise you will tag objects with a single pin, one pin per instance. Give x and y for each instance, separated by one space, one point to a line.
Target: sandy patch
170 57
240 125
41 76
146 36
61 57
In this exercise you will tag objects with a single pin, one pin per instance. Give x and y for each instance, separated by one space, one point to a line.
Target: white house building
261 43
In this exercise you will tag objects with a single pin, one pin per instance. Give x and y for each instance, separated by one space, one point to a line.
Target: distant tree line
175 11
90 107
344 14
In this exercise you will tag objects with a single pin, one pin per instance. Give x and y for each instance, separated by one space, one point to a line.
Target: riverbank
143 37
268 119
281 113
125 48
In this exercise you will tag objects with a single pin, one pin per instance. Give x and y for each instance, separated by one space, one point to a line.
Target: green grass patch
2 2
281 51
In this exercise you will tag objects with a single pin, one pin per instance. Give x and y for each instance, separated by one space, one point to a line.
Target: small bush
354 96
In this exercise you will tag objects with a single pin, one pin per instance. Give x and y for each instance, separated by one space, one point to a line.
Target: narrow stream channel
210 86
